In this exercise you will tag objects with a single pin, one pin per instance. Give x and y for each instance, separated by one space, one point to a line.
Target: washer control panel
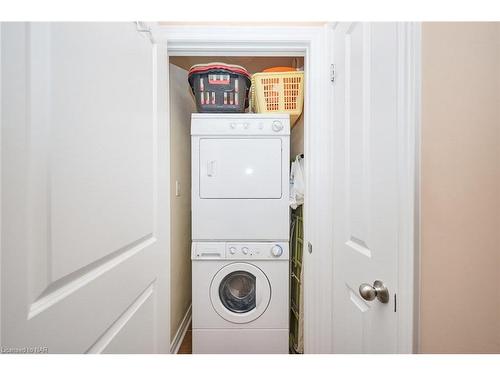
240 250
257 250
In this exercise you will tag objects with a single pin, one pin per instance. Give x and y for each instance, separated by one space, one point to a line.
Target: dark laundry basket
219 87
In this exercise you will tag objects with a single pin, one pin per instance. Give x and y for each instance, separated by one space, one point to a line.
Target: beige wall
460 249
181 106
253 64
297 138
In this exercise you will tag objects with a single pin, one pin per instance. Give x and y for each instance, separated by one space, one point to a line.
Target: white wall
181 107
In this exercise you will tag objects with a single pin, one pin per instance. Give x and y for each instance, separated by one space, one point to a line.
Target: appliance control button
232 125
277 251
245 250
232 250
246 125
277 126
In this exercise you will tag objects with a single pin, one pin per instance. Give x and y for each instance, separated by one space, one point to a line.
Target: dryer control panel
240 124
240 250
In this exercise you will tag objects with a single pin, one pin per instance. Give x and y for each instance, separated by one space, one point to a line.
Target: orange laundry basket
278 92
276 69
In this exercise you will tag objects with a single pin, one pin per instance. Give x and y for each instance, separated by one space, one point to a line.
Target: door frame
409 78
315 44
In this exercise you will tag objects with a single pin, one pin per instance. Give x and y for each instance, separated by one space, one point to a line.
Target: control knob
277 126
277 251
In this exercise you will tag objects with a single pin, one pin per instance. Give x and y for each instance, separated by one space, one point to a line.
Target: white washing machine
240 176
240 297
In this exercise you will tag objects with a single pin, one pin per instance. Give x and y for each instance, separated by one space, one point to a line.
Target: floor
186 345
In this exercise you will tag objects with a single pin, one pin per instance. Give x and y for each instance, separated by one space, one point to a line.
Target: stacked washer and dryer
240 232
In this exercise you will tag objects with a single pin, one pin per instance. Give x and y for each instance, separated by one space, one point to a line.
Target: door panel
240 168
356 136
85 260
99 150
366 203
135 322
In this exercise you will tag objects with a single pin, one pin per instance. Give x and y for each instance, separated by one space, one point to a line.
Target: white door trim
176 343
409 167
285 41
315 44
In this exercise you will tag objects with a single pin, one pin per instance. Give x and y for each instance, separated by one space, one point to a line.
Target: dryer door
240 292
239 168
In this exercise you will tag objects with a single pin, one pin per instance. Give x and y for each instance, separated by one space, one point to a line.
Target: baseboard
181 332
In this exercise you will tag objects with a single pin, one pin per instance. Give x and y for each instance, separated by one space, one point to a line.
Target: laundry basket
278 92
219 87
296 339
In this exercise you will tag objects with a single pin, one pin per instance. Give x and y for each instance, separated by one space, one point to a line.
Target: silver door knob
378 290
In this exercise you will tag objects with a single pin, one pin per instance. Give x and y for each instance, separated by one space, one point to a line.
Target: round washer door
240 292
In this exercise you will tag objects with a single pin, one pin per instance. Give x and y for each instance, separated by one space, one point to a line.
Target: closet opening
241 289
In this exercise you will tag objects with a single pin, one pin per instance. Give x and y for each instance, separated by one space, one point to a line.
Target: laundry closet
201 210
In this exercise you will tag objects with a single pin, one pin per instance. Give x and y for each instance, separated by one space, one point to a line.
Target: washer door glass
237 292
240 292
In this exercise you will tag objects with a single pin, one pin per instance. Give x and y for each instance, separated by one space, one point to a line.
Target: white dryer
240 176
240 297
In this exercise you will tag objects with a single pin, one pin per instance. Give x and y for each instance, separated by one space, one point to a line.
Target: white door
240 168
84 189
368 155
